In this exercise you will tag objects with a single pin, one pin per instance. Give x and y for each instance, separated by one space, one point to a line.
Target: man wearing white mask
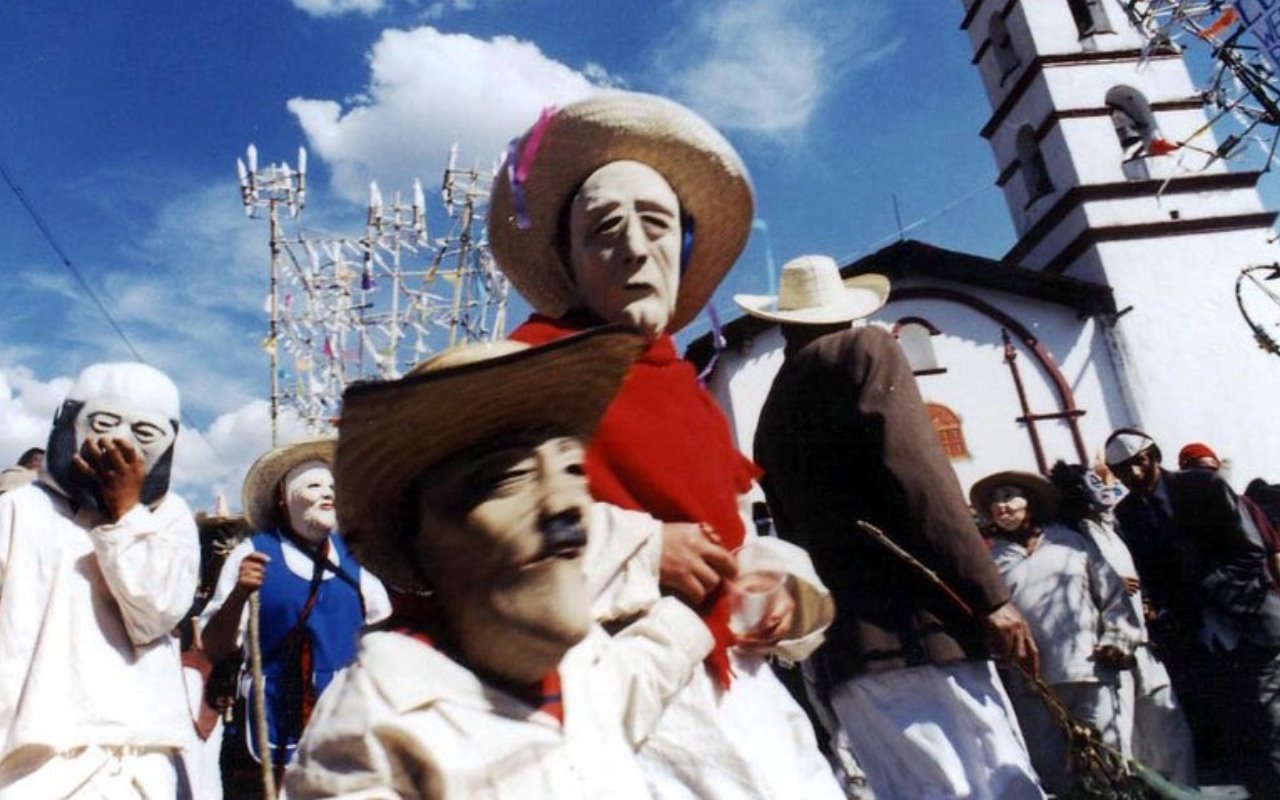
315 597
98 562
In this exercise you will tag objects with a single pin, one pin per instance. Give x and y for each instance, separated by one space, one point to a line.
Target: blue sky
123 121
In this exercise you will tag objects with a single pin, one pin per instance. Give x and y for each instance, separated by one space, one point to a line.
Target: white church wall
977 385
1056 32
1195 372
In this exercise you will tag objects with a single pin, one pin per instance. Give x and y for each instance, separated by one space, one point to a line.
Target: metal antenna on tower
270 188
347 308
1242 89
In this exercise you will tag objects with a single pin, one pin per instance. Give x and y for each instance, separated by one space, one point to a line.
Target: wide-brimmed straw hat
550 162
263 478
394 431
811 292
1042 496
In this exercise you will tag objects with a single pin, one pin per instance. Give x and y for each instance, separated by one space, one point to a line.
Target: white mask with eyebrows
150 433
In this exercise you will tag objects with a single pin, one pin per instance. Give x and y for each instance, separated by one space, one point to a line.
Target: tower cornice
1040 63
1120 190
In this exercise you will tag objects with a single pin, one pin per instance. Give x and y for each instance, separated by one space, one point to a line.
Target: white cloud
764 65
427 90
333 8
27 405
213 462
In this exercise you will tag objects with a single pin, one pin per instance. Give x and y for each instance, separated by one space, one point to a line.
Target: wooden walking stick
1105 772
260 700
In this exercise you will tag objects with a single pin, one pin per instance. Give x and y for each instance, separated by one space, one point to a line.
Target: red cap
1193 451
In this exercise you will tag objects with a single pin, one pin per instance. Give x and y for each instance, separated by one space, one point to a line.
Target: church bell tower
1111 175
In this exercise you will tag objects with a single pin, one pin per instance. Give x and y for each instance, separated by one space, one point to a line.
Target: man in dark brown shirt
844 436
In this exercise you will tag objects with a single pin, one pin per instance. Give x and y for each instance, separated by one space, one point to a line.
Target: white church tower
1086 134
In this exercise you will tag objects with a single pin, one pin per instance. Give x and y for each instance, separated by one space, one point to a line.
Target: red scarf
664 447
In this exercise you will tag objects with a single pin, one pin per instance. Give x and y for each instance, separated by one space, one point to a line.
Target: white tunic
86 611
406 721
1073 601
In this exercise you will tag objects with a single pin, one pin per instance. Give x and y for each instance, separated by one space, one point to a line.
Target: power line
75 272
66 260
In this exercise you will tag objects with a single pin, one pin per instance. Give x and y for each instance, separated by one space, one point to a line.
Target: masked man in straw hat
463 486
630 208
314 598
1078 611
1215 613
98 563
844 436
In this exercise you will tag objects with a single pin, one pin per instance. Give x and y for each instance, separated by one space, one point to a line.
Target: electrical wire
66 260
47 232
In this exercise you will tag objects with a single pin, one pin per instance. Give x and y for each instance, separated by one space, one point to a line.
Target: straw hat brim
863 296
1041 494
394 431
701 166
260 482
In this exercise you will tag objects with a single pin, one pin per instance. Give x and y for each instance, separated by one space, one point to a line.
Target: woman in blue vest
314 597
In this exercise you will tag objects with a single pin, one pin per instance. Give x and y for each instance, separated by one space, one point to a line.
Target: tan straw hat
263 478
811 292
1042 496
394 431
557 154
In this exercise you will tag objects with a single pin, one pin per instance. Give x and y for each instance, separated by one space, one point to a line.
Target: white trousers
934 732
1161 736
93 773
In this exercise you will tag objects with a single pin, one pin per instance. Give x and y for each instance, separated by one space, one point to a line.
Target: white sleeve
624 551
6 537
1120 625
151 563
227 579
655 657
377 604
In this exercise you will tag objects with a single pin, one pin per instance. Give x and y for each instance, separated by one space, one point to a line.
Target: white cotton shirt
750 742
377 606
1073 601
86 614
406 721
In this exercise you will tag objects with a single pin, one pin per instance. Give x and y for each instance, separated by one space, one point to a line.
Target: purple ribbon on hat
718 344
519 161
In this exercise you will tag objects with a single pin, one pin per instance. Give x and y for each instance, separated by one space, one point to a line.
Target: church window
1090 17
1136 130
1035 174
915 337
1002 45
948 429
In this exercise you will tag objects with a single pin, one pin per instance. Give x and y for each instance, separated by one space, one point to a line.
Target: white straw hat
260 482
811 292
392 432
550 162
1041 494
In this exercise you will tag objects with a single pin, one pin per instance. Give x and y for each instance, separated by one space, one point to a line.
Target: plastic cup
754 592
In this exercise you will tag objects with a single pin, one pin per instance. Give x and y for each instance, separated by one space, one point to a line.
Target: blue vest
332 629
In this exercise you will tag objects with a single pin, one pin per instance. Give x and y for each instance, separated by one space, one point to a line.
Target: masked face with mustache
501 537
